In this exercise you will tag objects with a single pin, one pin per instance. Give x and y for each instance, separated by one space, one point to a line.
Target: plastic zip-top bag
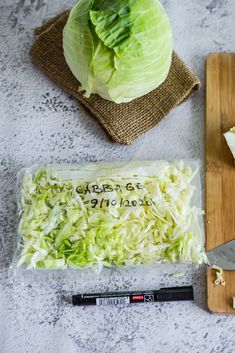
109 214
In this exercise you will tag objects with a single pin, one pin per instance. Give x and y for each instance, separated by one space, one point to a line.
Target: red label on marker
137 297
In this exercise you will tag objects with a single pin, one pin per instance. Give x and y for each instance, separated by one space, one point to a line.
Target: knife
223 256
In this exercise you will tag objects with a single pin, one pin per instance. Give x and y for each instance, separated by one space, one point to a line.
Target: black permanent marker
124 298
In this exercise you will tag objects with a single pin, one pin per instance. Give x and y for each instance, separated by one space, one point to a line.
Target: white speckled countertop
40 123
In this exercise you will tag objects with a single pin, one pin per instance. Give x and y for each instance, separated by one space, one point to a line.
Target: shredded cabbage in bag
109 214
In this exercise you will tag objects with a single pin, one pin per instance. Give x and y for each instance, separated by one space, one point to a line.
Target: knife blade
223 256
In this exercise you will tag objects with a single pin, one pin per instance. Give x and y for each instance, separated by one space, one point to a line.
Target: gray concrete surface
39 123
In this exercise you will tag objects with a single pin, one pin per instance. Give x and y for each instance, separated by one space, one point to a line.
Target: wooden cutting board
220 172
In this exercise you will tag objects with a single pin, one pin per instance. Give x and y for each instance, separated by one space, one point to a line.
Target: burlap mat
123 122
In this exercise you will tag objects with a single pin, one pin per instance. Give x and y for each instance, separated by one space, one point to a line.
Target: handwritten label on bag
105 189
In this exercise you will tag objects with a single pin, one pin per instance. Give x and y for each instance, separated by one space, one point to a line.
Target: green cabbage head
119 49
